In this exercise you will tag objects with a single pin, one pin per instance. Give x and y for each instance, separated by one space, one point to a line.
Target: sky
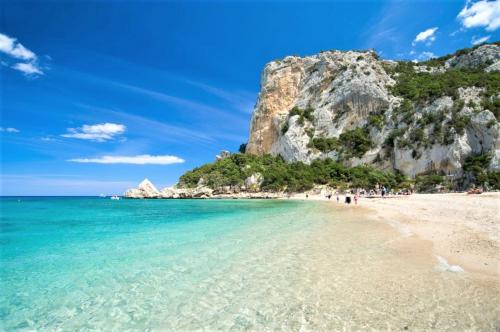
96 96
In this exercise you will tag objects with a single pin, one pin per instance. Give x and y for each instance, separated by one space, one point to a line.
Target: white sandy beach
463 229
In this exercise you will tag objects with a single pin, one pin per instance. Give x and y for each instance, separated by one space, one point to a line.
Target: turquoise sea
96 264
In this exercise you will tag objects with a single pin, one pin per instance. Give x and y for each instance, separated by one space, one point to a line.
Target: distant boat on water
114 197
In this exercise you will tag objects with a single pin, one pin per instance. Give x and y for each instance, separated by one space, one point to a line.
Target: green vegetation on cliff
304 114
296 177
422 87
439 62
292 177
351 143
476 168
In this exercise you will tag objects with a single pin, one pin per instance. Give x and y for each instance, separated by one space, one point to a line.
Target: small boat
116 198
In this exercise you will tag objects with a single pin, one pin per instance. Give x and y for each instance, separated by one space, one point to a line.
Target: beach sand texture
463 229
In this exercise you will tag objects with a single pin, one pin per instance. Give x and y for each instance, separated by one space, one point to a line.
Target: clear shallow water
86 264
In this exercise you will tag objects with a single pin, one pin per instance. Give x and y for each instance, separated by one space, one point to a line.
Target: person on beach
338 198
356 199
348 198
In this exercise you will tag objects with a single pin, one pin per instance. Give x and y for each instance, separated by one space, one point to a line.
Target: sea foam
443 265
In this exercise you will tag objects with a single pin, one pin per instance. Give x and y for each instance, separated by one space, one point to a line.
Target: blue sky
96 96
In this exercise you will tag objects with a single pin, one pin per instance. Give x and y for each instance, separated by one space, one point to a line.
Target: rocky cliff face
346 106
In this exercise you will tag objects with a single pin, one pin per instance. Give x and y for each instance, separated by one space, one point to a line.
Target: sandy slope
464 229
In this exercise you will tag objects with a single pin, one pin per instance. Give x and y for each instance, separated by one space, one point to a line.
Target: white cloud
136 160
481 14
479 40
16 50
9 130
27 68
99 132
427 36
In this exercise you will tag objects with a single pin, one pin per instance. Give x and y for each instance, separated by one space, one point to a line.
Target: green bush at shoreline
291 177
279 175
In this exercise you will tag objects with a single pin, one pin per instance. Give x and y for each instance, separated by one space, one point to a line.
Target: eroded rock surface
344 88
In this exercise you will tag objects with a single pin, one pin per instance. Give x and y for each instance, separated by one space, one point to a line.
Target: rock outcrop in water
327 105
147 190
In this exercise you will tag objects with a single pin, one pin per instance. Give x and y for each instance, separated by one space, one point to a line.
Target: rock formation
223 155
145 190
253 182
342 90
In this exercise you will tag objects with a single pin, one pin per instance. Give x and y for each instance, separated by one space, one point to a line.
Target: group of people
347 199
474 191
354 195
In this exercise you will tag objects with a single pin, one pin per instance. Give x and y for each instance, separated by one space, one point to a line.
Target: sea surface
96 264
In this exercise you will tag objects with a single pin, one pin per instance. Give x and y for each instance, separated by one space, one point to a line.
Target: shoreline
214 262
464 229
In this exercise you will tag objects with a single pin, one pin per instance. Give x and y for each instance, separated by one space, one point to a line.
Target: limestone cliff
311 107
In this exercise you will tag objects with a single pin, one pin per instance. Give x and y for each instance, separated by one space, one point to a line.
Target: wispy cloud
161 131
99 132
428 36
198 122
16 51
481 14
383 30
136 160
239 99
28 68
161 96
477 41
9 130
242 100
237 120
